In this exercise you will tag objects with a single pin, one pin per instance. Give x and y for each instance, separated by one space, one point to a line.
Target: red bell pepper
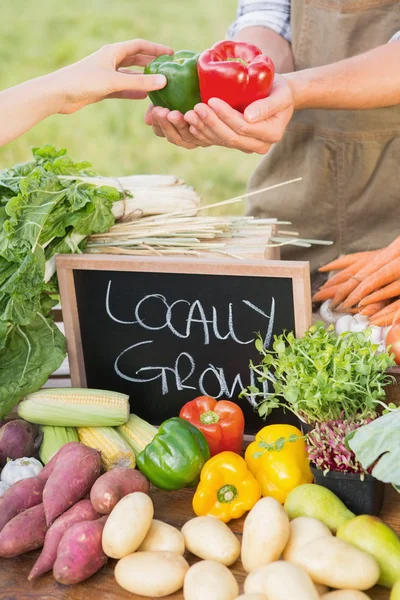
221 422
236 72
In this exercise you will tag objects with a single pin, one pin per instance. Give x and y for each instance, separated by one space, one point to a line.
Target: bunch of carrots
367 283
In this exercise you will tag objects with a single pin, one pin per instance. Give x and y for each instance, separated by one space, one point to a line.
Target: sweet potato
80 553
18 439
24 532
49 468
22 495
114 485
75 471
81 511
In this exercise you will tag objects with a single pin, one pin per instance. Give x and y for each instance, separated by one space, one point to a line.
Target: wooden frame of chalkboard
79 276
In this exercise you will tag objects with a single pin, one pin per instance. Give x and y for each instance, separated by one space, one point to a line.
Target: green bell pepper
176 456
182 91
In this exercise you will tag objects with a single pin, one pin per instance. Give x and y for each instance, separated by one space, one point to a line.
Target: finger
138 81
128 95
213 128
148 117
138 60
221 134
199 129
153 110
178 121
169 131
121 50
232 118
279 100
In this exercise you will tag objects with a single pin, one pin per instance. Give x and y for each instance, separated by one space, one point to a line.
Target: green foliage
43 208
321 376
377 445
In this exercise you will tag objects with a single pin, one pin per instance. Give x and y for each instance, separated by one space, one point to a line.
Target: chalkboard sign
167 330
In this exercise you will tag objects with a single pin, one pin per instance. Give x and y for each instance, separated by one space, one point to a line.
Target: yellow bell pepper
280 463
227 489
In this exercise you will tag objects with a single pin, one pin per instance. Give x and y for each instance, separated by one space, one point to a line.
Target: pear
373 536
311 500
395 595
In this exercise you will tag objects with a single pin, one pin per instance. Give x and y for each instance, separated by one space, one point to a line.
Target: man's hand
217 124
103 74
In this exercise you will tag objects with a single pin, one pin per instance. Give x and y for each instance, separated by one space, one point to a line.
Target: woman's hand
103 74
217 124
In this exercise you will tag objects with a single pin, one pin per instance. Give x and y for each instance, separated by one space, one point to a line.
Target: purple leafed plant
327 449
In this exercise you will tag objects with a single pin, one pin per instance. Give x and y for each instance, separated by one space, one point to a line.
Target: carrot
388 309
372 309
345 274
389 291
345 261
325 294
379 260
380 278
386 320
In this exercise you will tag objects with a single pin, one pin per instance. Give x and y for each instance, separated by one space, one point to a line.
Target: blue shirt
274 14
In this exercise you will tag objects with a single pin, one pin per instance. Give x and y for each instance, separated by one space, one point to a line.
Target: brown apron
349 160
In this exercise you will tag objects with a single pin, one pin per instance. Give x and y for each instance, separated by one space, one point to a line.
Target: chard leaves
379 442
45 208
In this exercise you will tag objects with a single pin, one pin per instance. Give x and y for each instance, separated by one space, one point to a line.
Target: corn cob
73 407
53 439
114 451
137 433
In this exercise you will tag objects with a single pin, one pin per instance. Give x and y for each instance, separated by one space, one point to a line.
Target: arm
370 80
270 43
90 80
266 23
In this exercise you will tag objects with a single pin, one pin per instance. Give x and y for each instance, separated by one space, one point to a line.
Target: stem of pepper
227 493
239 60
209 418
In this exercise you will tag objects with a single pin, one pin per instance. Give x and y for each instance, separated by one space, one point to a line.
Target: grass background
38 37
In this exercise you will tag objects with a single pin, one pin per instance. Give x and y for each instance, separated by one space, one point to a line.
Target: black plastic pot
361 496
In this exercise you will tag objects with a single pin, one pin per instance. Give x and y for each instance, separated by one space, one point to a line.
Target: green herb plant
45 209
322 376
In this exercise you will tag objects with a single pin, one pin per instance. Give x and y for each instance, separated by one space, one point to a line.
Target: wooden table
171 507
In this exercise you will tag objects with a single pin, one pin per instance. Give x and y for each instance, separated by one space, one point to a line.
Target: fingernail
202 112
160 80
252 114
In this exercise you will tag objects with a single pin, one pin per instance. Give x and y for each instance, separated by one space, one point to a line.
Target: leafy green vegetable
321 376
379 442
45 209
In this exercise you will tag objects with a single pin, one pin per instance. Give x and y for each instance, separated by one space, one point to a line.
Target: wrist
51 93
301 89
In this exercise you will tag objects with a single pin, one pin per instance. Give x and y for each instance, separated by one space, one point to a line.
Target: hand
262 124
172 126
102 75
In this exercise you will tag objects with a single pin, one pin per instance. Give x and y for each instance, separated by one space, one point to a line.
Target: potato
151 574
209 579
252 597
345 595
211 539
337 564
302 531
265 534
127 525
162 537
321 589
281 581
